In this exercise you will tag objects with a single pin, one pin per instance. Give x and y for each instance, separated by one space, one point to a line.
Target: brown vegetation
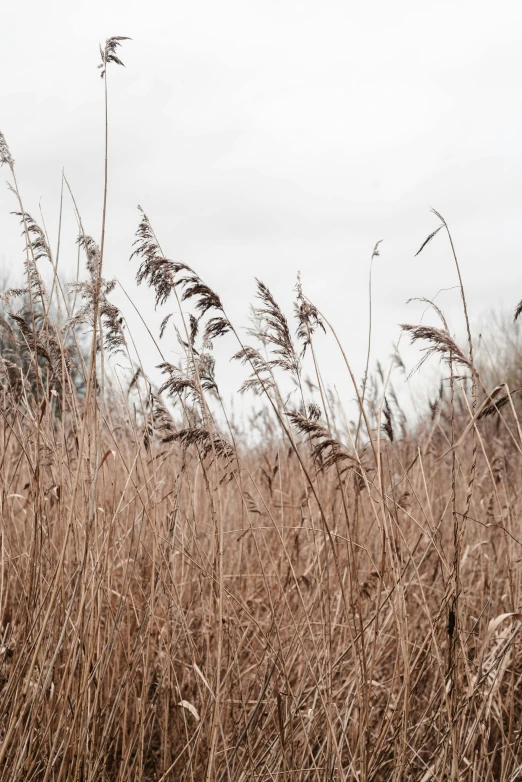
327 601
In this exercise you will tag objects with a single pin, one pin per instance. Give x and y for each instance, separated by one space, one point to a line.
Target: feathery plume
326 450
160 274
376 252
308 318
428 239
208 442
108 52
98 289
497 404
178 382
155 270
440 343
164 324
314 412
5 154
387 426
37 238
273 331
261 378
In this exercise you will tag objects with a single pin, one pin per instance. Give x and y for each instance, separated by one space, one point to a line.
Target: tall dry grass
318 600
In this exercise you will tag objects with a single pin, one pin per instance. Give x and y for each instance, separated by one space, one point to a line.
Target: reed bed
313 595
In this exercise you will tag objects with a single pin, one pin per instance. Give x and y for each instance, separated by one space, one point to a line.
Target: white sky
265 137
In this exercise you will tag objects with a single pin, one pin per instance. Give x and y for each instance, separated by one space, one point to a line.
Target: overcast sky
266 137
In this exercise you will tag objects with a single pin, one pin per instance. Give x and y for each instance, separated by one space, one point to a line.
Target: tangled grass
326 600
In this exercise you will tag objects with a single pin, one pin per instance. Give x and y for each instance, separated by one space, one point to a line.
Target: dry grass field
326 596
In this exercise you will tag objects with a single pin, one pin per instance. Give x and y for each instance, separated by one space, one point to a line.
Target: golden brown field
316 598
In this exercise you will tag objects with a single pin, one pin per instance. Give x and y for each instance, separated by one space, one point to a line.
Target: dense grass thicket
337 597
